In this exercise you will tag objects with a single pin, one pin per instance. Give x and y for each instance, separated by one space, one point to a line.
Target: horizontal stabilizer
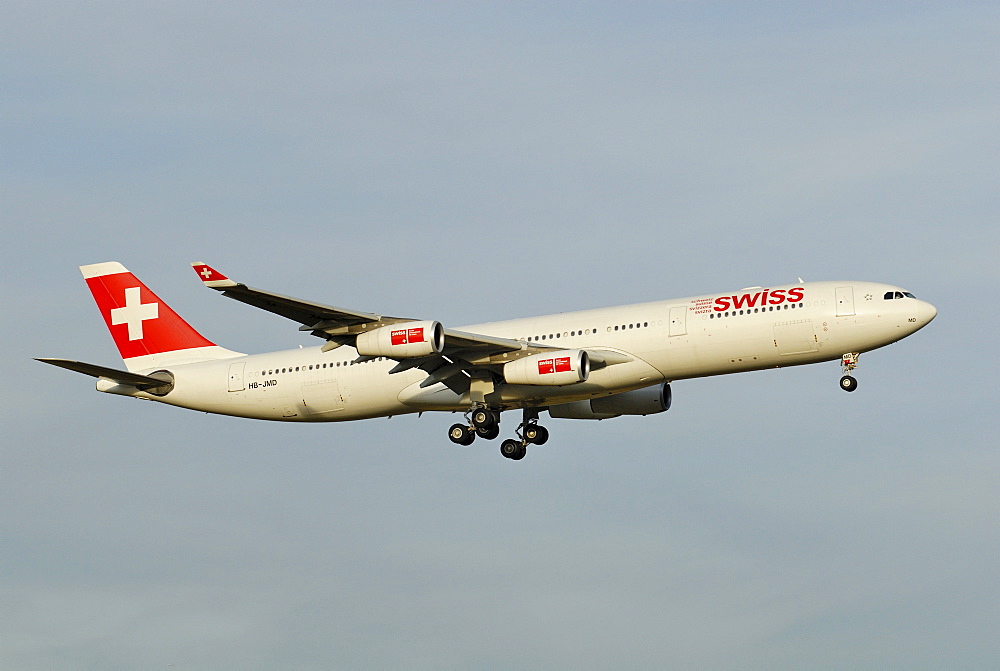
119 376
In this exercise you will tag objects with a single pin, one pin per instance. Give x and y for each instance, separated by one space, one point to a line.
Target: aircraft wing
312 316
340 326
462 354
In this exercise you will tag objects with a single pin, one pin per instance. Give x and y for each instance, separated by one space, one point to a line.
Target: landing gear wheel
536 435
489 432
460 434
483 418
512 449
848 383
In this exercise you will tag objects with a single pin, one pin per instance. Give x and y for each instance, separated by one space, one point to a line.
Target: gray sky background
469 162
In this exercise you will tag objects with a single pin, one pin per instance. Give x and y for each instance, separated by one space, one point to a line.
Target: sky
470 162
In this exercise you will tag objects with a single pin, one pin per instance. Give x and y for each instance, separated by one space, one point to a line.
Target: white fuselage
715 334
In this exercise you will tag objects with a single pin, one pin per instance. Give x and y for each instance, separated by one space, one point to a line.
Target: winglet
212 277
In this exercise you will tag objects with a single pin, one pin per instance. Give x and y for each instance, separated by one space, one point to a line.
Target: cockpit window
890 295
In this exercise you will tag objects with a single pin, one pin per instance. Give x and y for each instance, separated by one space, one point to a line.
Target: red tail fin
147 332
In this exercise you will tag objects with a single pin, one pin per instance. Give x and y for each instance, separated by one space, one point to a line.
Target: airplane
592 364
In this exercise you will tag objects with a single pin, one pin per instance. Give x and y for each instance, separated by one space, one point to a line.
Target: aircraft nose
926 312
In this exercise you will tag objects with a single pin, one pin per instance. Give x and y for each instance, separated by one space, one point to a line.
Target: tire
536 435
489 432
510 449
848 383
461 435
483 418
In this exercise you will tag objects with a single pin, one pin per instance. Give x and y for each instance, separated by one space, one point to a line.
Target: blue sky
472 162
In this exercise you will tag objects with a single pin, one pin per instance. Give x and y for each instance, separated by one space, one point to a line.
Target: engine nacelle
553 369
402 341
645 401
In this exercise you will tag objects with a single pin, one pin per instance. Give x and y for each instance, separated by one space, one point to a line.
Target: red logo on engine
407 336
561 364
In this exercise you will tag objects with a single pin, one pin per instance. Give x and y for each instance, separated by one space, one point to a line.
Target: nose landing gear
849 362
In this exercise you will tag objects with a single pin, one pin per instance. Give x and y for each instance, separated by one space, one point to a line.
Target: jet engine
645 401
402 341
549 369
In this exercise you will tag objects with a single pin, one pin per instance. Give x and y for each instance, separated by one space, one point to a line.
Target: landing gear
513 449
489 432
528 433
461 434
849 362
535 434
484 418
485 423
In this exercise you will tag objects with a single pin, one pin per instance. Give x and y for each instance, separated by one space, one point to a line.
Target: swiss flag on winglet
210 276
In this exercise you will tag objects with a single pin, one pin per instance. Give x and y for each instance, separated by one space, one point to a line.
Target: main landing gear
485 423
849 362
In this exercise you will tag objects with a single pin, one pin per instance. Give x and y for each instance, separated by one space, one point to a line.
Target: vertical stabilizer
147 332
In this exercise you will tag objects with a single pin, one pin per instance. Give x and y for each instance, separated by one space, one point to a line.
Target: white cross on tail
134 313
